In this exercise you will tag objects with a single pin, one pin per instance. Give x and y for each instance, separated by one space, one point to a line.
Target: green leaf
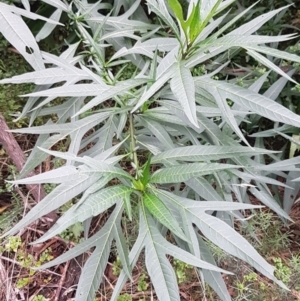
59 196
159 131
146 172
159 210
181 173
15 30
207 152
58 175
195 22
160 271
183 87
93 205
267 199
127 206
177 9
92 274
219 232
252 101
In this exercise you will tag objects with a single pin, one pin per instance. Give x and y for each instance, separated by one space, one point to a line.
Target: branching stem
133 146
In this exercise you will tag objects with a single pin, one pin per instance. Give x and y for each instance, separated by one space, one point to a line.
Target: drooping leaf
15 30
220 233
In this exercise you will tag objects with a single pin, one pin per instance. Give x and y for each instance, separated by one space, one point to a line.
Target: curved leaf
15 30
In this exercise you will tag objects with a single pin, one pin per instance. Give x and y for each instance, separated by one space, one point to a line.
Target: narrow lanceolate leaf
92 273
198 207
159 210
212 278
99 238
159 132
268 200
160 9
254 24
26 4
207 152
227 114
59 175
183 87
15 30
66 128
71 90
93 205
160 81
252 101
219 232
48 28
275 53
57 3
159 268
47 76
122 248
133 257
59 196
291 194
181 173
93 270
103 168
266 62
120 88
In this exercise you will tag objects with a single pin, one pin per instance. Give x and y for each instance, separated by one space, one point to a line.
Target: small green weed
267 229
39 298
181 270
117 266
124 297
282 272
142 283
26 261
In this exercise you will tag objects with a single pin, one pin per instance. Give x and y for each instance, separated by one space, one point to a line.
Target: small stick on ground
15 153
9 294
61 282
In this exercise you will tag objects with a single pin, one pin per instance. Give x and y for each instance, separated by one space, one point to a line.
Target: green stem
133 146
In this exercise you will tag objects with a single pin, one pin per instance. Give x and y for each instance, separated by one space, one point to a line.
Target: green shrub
167 139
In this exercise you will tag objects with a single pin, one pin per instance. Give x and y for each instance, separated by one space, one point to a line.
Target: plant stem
133 146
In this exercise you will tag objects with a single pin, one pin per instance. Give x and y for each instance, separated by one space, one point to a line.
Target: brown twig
19 264
9 294
16 154
61 282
